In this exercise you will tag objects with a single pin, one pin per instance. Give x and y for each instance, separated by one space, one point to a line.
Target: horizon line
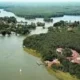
41 1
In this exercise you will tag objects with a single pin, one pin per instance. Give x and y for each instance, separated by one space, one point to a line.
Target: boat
20 70
39 63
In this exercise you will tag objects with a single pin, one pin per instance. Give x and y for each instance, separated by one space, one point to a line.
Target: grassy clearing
32 52
61 75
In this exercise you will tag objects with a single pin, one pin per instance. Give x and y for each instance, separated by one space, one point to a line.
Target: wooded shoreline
59 74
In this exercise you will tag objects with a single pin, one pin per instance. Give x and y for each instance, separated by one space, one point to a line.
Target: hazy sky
39 0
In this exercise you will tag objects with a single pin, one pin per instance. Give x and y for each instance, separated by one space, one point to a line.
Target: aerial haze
39 0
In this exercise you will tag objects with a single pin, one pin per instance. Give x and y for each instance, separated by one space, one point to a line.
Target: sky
39 0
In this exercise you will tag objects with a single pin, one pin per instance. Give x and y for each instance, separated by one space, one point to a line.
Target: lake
15 63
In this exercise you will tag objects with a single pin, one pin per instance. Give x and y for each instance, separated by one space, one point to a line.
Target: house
75 58
54 62
59 50
70 29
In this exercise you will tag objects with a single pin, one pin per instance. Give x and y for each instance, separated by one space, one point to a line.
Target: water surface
13 59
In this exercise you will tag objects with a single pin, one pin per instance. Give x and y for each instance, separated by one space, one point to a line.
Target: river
15 63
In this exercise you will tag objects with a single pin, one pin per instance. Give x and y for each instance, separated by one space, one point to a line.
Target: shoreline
32 52
29 16
57 73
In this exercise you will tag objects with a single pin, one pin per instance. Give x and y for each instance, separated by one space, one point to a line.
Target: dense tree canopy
40 24
48 20
47 43
10 24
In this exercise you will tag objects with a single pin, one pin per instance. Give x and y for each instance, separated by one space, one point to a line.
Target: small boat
20 70
39 63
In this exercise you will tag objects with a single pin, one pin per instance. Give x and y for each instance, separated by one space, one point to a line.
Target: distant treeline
39 16
31 12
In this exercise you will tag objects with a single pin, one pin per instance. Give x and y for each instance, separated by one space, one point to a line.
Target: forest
43 10
61 35
10 25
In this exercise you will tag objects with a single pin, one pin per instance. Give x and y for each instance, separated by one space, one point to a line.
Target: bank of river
59 74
